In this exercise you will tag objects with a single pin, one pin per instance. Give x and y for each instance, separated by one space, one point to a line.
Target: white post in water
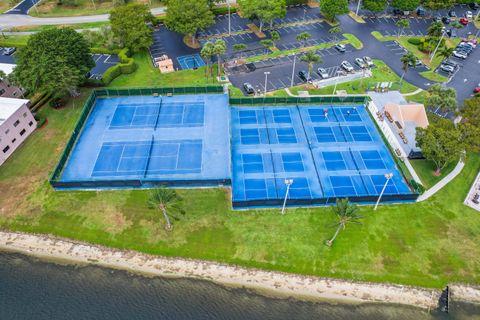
388 176
288 183
229 22
293 71
266 73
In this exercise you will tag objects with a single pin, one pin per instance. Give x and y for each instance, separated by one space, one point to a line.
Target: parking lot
281 69
102 63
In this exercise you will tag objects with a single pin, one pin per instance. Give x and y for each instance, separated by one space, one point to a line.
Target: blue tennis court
328 151
181 139
192 61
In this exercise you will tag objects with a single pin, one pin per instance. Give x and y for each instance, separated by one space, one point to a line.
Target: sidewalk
442 183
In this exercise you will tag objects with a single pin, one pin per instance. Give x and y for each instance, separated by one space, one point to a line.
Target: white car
447 68
347 66
359 62
459 54
368 61
322 73
469 15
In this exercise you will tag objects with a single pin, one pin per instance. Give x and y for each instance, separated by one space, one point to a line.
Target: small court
328 151
179 140
192 61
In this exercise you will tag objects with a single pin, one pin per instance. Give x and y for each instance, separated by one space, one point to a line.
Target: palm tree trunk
219 65
330 242
169 224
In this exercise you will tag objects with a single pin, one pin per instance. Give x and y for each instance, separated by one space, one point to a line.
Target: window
13 141
16 123
30 123
22 132
6 149
24 114
6 132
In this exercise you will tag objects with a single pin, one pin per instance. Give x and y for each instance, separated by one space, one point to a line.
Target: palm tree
335 30
445 52
207 52
311 57
407 59
402 24
303 37
435 29
219 48
165 199
346 213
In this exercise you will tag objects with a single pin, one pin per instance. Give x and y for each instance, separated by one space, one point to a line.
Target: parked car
340 47
471 42
421 12
474 6
347 66
452 33
477 89
359 62
469 15
464 47
2 91
452 14
459 54
368 61
417 63
463 21
447 68
437 18
248 88
9 51
397 12
449 62
323 73
446 20
303 74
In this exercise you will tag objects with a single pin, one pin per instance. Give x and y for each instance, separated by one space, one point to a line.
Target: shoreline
270 283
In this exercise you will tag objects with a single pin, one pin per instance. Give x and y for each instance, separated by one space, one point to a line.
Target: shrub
127 65
223 10
295 2
57 102
414 41
40 120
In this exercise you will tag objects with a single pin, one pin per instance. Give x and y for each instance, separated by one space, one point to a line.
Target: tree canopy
264 10
375 5
53 61
332 8
129 26
443 98
441 142
405 5
188 16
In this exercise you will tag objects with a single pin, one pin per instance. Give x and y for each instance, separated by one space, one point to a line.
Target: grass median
428 244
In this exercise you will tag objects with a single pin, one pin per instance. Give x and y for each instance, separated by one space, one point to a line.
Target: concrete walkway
442 183
412 93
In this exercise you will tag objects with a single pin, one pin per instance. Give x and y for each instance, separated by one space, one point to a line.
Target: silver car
322 73
368 61
347 66
359 62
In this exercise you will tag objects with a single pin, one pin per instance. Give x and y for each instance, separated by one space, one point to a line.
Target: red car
476 90
464 21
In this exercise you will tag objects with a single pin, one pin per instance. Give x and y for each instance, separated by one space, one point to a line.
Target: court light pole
266 73
438 45
288 183
293 71
336 81
388 176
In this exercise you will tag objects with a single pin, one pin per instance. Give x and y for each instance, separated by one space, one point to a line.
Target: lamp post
293 71
388 176
438 45
229 22
288 183
358 7
266 73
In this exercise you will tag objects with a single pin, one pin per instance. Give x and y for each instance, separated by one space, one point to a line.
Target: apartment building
16 124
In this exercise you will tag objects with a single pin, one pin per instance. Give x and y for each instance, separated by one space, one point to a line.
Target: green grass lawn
86 25
353 40
51 8
13 41
429 244
431 75
382 73
425 170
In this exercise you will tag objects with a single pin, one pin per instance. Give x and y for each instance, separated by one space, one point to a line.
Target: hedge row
104 51
36 104
127 65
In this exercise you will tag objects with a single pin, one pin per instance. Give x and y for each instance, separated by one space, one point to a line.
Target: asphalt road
22 7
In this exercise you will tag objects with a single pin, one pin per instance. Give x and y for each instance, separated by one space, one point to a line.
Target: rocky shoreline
267 282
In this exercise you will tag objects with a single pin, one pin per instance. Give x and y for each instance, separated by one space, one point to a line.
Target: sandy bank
266 281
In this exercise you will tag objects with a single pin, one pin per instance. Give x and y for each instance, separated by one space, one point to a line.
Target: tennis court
328 152
192 61
181 140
